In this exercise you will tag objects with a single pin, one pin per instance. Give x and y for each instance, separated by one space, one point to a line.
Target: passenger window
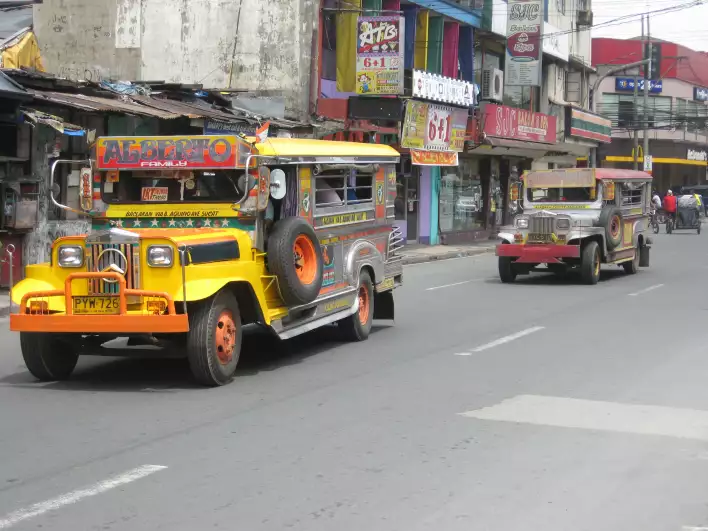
631 194
343 188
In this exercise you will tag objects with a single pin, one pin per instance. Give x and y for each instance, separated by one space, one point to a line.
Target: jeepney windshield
560 194
171 186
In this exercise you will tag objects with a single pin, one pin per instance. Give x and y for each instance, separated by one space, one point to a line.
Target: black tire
655 227
611 220
590 260
632 267
507 273
47 356
669 226
209 325
698 230
357 327
285 262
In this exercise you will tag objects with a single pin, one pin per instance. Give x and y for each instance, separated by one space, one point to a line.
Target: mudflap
384 306
644 256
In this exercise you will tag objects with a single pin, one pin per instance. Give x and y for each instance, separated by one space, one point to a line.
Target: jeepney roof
299 148
581 177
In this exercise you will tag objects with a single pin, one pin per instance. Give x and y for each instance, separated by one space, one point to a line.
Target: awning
513 148
452 11
55 122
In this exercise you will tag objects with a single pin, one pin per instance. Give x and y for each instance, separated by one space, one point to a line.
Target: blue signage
700 94
626 84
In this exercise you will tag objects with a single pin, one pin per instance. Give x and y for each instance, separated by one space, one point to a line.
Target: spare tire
611 219
295 257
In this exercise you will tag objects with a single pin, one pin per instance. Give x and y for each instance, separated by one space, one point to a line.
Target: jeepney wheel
507 273
214 339
295 257
632 267
357 327
47 356
590 261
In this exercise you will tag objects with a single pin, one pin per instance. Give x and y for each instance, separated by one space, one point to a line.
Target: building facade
676 114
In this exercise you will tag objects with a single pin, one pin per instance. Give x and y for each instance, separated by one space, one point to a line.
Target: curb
410 260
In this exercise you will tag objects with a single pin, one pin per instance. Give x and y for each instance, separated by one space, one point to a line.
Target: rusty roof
188 109
99 104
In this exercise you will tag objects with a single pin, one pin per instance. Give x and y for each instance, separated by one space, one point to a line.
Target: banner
523 48
433 127
434 158
379 55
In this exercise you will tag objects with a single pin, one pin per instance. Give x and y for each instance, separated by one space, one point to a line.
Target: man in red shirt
670 205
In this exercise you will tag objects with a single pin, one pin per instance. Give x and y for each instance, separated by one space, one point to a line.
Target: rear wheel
214 339
47 356
507 273
632 266
357 327
590 263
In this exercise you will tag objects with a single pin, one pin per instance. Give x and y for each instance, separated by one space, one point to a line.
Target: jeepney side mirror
246 183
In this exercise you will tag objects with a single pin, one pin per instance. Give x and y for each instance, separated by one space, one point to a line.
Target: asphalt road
543 405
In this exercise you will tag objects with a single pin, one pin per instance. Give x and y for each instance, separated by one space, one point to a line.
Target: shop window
349 188
462 198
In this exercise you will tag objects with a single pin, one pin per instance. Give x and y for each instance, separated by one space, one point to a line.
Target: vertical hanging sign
523 48
379 55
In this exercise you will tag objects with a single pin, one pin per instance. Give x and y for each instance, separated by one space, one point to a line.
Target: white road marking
40 508
646 290
599 416
690 528
456 284
463 353
509 338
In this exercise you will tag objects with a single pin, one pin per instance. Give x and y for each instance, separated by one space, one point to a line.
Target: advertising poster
432 127
379 55
523 49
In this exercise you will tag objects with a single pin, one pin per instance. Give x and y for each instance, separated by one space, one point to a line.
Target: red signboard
518 124
178 152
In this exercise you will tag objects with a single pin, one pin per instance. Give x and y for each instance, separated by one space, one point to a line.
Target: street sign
647 163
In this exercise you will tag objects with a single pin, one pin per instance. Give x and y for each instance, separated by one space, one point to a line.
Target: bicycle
653 222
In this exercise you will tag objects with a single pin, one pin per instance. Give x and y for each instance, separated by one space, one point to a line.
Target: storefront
674 164
509 141
434 130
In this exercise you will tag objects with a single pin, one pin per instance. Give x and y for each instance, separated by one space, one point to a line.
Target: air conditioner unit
584 17
492 84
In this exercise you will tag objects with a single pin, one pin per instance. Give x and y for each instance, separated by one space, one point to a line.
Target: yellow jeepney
194 237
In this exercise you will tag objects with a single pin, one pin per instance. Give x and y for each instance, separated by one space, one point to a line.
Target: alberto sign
179 152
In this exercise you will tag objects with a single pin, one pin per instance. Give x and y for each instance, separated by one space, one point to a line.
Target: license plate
545 238
96 305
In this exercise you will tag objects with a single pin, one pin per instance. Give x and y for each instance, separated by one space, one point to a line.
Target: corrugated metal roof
190 110
98 104
8 88
13 20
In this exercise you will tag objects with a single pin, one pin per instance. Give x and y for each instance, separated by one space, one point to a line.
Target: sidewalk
418 254
4 303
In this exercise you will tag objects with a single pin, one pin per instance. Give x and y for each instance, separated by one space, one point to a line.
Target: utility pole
635 133
647 73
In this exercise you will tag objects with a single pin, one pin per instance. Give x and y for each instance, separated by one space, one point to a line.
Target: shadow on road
152 372
570 279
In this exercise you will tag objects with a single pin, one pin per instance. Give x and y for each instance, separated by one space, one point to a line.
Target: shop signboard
379 55
519 124
588 126
432 127
626 84
434 158
213 127
428 86
523 48
700 94
697 155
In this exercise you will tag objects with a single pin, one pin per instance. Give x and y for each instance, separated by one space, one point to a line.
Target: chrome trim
317 323
51 183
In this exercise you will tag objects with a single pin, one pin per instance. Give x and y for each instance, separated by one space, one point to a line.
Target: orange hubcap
363 305
305 260
225 337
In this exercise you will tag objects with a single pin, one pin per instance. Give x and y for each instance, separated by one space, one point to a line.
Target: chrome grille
541 225
96 261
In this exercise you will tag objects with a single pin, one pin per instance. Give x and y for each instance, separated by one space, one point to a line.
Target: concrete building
677 111
250 45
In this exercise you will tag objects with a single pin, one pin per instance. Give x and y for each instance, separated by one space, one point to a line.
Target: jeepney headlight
521 222
563 224
70 256
159 256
